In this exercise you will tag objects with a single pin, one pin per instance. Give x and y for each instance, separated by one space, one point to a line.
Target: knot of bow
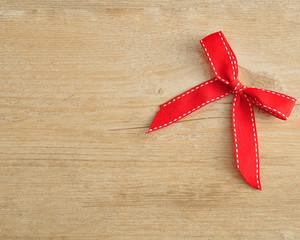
225 67
236 86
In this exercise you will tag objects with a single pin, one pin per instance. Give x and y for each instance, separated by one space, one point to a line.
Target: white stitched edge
228 53
189 112
272 111
278 94
234 132
189 91
236 86
234 62
212 64
255 143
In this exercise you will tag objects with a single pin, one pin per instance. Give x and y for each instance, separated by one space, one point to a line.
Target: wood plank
80 83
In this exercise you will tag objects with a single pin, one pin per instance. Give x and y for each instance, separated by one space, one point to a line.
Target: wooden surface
81 82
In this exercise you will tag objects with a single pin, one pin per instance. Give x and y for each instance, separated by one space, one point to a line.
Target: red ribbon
225 67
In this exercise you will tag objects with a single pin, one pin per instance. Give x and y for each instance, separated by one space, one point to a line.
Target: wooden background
81 82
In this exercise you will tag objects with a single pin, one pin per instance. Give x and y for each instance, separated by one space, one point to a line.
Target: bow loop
221 57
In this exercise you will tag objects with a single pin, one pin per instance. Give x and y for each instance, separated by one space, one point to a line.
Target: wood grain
80 84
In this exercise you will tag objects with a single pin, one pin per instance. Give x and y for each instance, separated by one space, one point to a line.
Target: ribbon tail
277 104
188 102
245 140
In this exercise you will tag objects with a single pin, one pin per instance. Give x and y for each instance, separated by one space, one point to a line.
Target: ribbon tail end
150 130
158 122
252 181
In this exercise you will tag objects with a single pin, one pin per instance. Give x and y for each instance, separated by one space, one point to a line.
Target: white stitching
278 94
212 64
187 92
269 109
189 112
234 60
232 65
234 132
255 142
265 108
242 88
237 86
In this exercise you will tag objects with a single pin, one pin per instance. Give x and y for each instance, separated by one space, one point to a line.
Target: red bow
225 67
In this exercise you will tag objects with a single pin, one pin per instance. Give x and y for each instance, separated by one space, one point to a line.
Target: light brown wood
81 82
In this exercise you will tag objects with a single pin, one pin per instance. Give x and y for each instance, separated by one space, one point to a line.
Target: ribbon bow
224 65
